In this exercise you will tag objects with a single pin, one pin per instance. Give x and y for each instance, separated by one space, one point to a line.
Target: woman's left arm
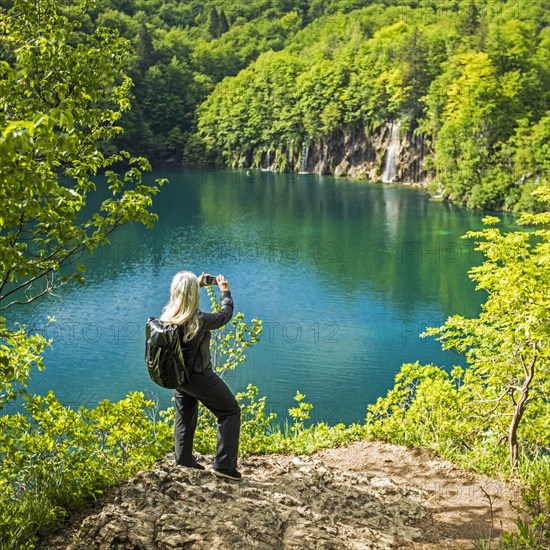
212 321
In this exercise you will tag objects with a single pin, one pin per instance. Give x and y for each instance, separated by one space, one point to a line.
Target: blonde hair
183 307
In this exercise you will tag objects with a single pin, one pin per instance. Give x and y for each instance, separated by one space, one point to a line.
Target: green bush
55 459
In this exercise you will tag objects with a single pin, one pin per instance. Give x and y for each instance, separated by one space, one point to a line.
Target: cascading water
390 171
267 161
305 153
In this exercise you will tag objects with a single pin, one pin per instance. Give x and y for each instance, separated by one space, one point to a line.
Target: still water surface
345 276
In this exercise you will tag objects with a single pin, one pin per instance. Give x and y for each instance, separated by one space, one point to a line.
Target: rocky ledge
364 496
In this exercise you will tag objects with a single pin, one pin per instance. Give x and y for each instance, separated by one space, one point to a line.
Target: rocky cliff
354 152
363 496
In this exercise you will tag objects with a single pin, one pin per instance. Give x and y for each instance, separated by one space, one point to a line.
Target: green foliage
502 396
300 413
63 93
317 436
61 103
508 346
54 458
228 344
181 50
19 352
256 422
534 522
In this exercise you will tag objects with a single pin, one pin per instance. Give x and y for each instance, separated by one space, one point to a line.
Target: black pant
208 388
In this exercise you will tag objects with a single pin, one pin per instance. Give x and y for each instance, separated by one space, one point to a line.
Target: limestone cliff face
354 153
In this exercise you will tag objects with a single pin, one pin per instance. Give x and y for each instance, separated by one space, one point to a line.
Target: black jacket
196 352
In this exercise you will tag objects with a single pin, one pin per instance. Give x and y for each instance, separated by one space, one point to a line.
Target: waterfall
305 153
267 161
390 171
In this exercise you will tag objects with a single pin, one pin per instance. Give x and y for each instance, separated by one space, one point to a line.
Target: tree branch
525 372
14 240
49 288
48 271
520 408
498 400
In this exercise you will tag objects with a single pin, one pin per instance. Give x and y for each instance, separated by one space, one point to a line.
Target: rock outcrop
289 503
365 496
355 153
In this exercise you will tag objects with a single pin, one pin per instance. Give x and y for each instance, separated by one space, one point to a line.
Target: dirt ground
465 507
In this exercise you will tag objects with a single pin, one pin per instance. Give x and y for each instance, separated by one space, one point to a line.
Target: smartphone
209 280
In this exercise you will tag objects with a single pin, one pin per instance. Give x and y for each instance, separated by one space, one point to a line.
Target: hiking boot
195 465
233 474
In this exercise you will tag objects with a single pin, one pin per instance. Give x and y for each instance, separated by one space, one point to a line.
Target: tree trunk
519 410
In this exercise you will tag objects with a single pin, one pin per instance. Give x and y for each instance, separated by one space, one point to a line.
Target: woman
204 384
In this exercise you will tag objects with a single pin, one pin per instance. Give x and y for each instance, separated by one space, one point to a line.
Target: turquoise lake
345 275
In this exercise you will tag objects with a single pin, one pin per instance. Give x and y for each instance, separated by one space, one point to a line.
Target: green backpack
163 354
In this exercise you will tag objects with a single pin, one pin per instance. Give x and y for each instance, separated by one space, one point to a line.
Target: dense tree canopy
181 51
219 79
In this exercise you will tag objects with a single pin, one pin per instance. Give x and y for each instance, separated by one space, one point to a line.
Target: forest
87 88
223 82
